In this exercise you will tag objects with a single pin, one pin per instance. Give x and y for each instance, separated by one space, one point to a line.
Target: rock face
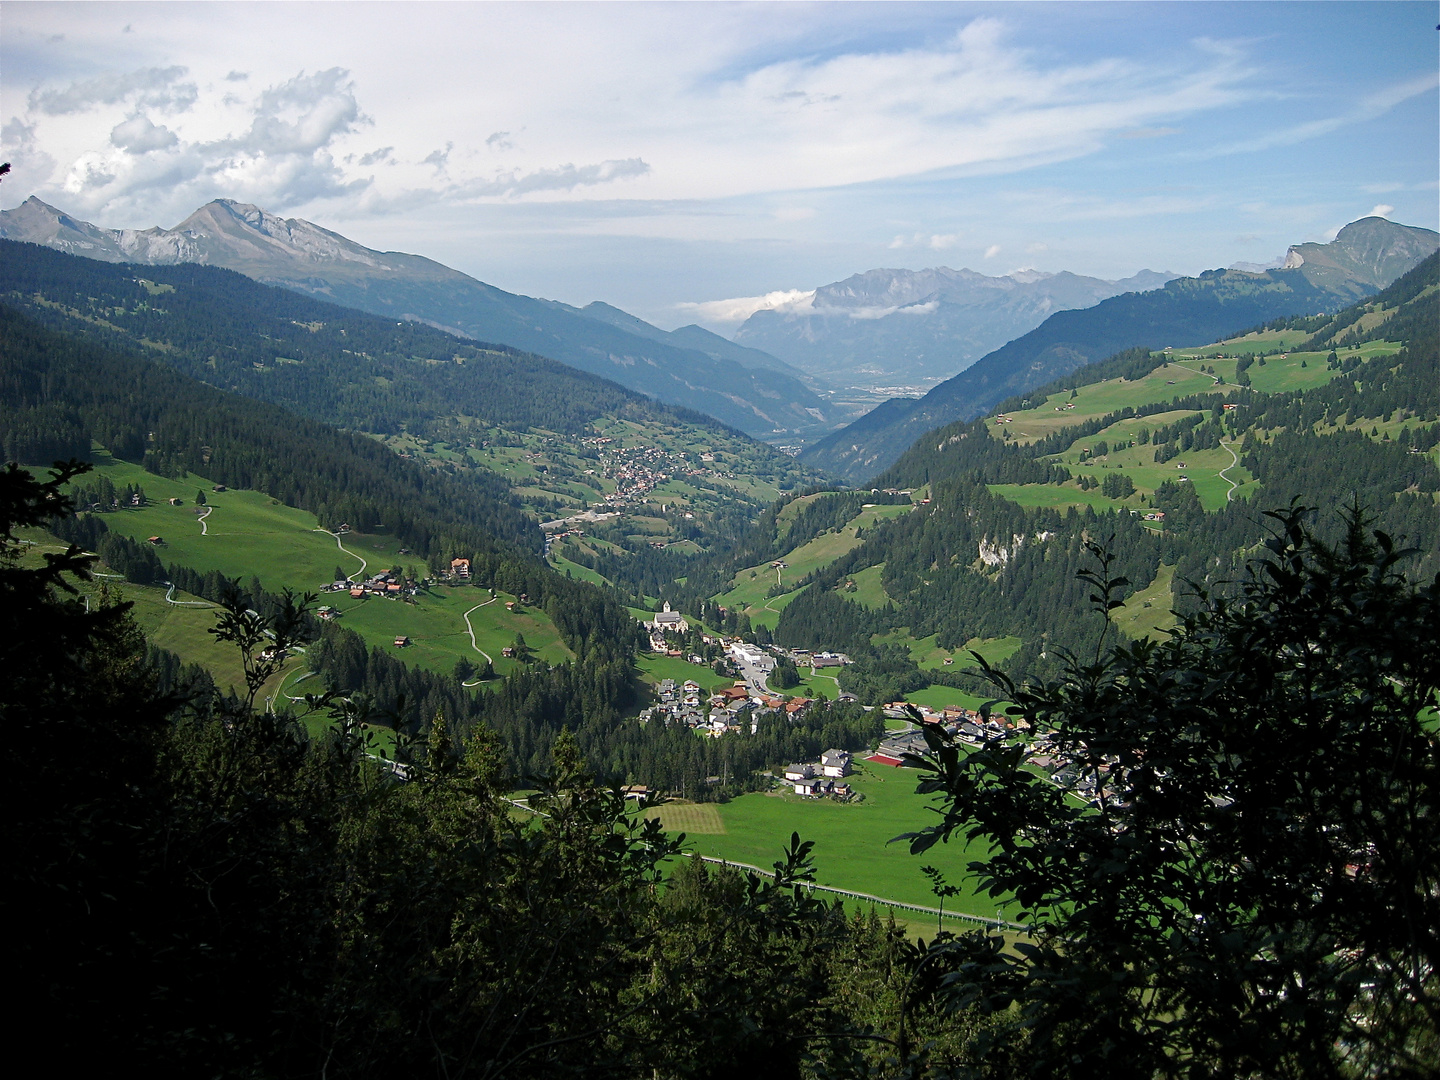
1371 251
757 398
886 327
1366 256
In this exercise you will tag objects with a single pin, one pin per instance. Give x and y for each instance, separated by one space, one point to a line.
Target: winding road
204 530
471 631
342 547
1229 495
170 592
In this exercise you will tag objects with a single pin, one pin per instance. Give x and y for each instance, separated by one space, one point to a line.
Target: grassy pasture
852 841
930 656
869 591
935 696
693 819
1202 467
654 667
1137 620
749 587
249 534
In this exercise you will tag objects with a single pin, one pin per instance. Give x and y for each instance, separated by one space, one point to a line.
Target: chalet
326 612
835 763
392 588
635 791
176 502
357 592
155 540
219 487
508 651
823 660
401 641
137 499
509 605
460 568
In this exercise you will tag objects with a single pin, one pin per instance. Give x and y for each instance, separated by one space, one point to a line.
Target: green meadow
749 587
852 840
1148 612
929 656
247 534
654 667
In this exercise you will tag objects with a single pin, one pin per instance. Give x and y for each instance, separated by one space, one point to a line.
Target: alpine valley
415 628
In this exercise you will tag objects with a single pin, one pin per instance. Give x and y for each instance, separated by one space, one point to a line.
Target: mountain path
204 529
342 547
473 644
1229 495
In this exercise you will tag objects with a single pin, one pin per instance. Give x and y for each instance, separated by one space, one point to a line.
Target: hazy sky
660 156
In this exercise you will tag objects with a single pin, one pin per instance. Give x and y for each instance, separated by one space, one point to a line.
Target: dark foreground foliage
198 888
1255 888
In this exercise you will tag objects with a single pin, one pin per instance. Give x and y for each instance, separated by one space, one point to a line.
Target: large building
667 621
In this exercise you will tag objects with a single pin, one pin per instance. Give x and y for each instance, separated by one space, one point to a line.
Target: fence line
980 920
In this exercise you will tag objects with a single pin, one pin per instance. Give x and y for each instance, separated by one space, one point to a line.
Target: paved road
342 547
754 672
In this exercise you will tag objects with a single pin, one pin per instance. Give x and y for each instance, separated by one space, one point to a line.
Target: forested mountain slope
1175 457
551 431
302 257
61 392
1185 311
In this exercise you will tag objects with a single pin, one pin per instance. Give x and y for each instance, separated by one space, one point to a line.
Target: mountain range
690 367
1363 258
886 326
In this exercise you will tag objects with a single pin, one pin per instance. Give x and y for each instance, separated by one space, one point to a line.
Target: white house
835 763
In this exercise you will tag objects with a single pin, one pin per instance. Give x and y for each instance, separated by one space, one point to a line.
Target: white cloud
1381 210
737 309
1369 107
140 135
795 213
992 251
943 242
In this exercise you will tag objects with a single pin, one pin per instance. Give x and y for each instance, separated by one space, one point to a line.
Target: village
738 709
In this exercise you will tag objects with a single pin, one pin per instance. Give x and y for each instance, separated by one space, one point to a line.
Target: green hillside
1166 457
563 440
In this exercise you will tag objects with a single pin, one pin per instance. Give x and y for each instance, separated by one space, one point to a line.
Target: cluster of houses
730 708
967 726
820 780
382 584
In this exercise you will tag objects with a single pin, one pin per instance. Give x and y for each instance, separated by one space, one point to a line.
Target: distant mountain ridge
1187 311
890 325
306 258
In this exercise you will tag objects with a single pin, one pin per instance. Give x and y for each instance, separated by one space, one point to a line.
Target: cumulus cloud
157 88
499 140
374 157
737 309
140 135
1381 210
23 151
992 251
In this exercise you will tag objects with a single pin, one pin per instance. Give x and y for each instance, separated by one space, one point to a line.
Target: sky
695 162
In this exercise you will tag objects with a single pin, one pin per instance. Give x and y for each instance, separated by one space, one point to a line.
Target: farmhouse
460 568
401 641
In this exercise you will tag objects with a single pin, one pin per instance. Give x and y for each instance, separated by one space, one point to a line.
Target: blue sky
686 161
